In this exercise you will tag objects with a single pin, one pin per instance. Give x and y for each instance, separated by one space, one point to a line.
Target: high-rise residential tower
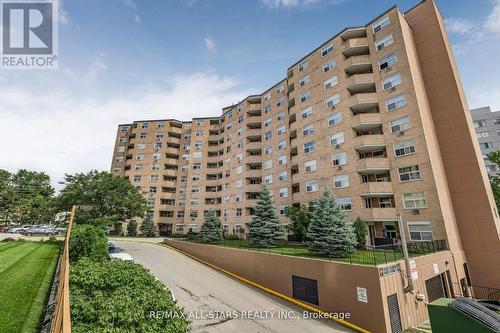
376 114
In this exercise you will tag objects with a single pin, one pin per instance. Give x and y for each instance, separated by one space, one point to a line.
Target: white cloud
493 21
131 4
484 95
209 43
459 25
64 131
288 3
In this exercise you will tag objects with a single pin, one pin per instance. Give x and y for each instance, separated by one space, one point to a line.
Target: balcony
358 65
257 173
174 140
376 189
364 122
369 142
372 165
253 159
378 214
254 146
351 33
364 103
255 188
170 172
169 183
254 132
175 130
171 161
361 83
355 46
172 151
168 195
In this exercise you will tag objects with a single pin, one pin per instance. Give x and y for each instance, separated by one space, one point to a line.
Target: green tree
148 228
265 230
359 227
329 232
211 231
88 241
132 228
300 218
494 157
111 197
9 197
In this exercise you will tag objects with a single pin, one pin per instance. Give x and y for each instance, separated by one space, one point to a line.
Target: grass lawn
26 273
363 257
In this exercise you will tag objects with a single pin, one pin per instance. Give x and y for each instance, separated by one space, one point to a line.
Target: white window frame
388 61
310 166
416 203
337 139
400 124
334 119
341 181
413 174
381 24
332 101
331 82
395 102
312 186
416 224
384 42
339 159
391 81
407 147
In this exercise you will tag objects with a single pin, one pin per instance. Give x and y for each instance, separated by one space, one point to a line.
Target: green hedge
88 241
118 296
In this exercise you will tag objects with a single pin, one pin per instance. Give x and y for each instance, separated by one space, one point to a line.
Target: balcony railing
475 292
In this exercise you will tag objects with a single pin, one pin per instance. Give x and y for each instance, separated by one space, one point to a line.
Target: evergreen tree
329 232
211 231
265 230
148 228
132 228
359 227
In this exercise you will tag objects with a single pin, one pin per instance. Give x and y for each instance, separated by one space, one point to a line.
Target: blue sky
122 60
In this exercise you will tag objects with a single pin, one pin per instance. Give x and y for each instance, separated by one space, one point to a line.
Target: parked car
40 230
60 231
112 248
20 230
5 229
122 256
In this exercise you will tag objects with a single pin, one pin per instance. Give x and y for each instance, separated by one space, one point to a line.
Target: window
303 65
339 159
283 193
239 212
281 145
486 145
280 102
414 200
238 197
159 135
280 116
492 168
280 89
124 129
334 118
137 178
305 289
195 189
303 81
329 65
395 102
482 135
121 149
400 124
240 119
239 132
308 129
345 203
139 157
309 147
404 148
267 164
197 154
281 130
123 139
196 166
305 96
199 133
479 123
239 144
198 144
306 113
268 179
337 139
282 160
381 24
119 159
384 42
391 81
268 135
268 150
312 186
310 166
238 183
239 169
388 61
283 175
267 122
340 181
496 121
156 156
282 209
152 189
138 167
327 49
144 125
153 178
409 173
267 109
332 101
330 83
420 231
267 96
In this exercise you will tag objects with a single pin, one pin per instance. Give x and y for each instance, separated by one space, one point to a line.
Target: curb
270 291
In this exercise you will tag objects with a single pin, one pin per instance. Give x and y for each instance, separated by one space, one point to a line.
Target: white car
122 256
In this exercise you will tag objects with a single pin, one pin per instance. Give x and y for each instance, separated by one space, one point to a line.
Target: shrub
178 235
192 235
132 228
9 239
231 236
118 296
88 241
359 227
52 239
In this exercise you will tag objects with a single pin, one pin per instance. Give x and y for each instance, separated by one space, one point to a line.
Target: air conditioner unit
392 89
337 146
400 133
339 167
415 211
388 69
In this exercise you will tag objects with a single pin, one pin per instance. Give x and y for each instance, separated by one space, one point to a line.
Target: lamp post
405 253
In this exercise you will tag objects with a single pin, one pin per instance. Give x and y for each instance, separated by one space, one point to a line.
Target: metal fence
61 323
366 255
475 292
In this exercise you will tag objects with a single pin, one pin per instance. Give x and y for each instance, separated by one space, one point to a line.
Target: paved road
201 289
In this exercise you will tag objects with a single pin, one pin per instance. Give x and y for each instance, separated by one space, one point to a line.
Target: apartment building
376 114
487 126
